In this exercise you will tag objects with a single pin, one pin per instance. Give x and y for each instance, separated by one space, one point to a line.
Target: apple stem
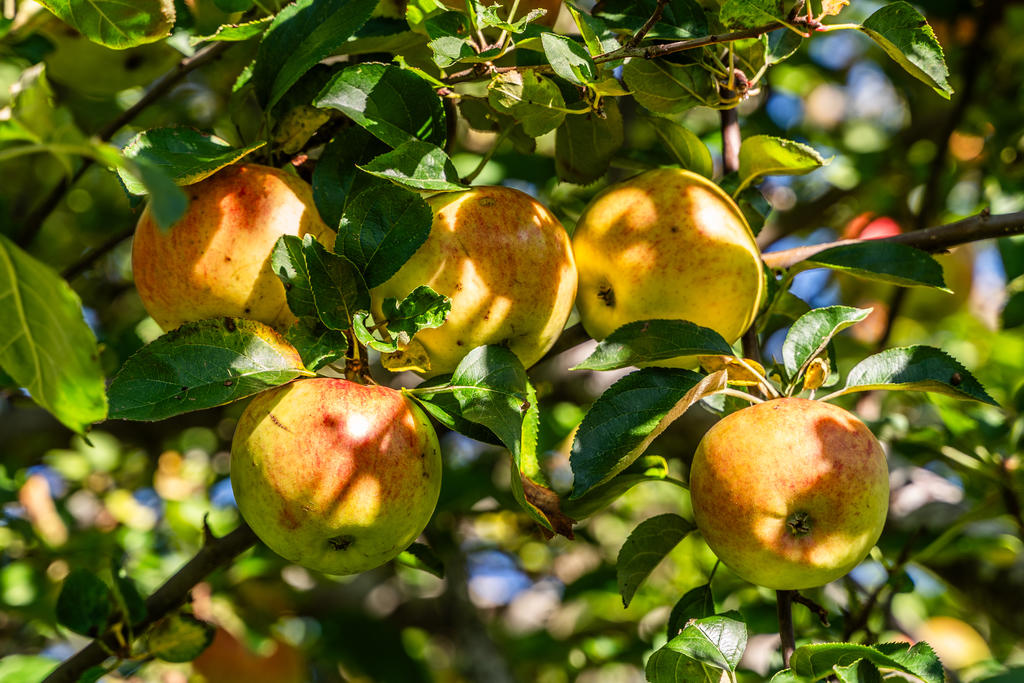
784 603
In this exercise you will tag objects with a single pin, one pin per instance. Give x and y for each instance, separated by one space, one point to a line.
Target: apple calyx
799 524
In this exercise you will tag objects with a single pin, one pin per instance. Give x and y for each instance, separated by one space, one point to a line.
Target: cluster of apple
341 477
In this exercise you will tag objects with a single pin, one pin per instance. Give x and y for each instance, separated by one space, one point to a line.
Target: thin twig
784 608
33 223
648 25
817 609
215 553
981 226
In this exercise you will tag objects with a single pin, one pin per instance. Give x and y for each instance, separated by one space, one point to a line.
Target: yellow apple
336 476
790 493
215 261
666 244
506 264
956 643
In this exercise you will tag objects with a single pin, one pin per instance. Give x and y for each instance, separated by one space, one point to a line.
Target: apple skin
228 660
666 244
766 468
336 476
215 261
506 264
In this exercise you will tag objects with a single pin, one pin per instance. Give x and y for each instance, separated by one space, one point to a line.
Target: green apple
506 264
215 261
336 476
668 244
790 493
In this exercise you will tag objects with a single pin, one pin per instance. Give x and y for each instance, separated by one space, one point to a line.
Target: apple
506 264
333 475
790 493
956 642
228 660
671 244
215 261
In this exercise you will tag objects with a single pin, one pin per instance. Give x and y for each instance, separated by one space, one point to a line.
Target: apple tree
704 313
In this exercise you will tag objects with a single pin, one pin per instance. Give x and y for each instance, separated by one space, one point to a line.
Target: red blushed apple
215 261
228 660
790 493
336 476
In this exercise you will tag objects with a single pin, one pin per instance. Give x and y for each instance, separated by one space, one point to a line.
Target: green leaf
915 368
646 468
585 144
114 23
338 287
569 59
669 89
302 34
762 155
685 148
750 13
201 365
628 416
179 638
381 230
317 344
497 17
445 409
696 603
337 180
183 154
667 666
905 36
718 641
392 103
647 546
861 671
85 603
649 341
419 556
231 33
230 6
490 386
593 30
679 18
1013 312
449 33
45 344
884 261
417 165
812 332
422 309
130 601
288 260
529 98
817 661
26 668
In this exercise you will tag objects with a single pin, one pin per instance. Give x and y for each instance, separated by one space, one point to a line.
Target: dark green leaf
812 332
628 416
183 154
1012 251
179 638
338 287
884 261
593 30
529 98
906 37
422 309
132 604
781 45
762 155
818 660
668 666
45 344
718 641
201 365
915 368
585 144
647 546
337 180
417 165
302 34
646 468
446 410
317 344
449 34
649 341
1013 311
667 88
116 24
419 556
394 104
750 13
684 146
166 200
381 230
231 6
861 671
288 259
490 386
696 603
235 32
679 18
85 603
569 59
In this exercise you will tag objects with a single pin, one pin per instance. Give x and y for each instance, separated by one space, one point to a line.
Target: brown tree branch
784 609
648 25
981 226
215 553
33 223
